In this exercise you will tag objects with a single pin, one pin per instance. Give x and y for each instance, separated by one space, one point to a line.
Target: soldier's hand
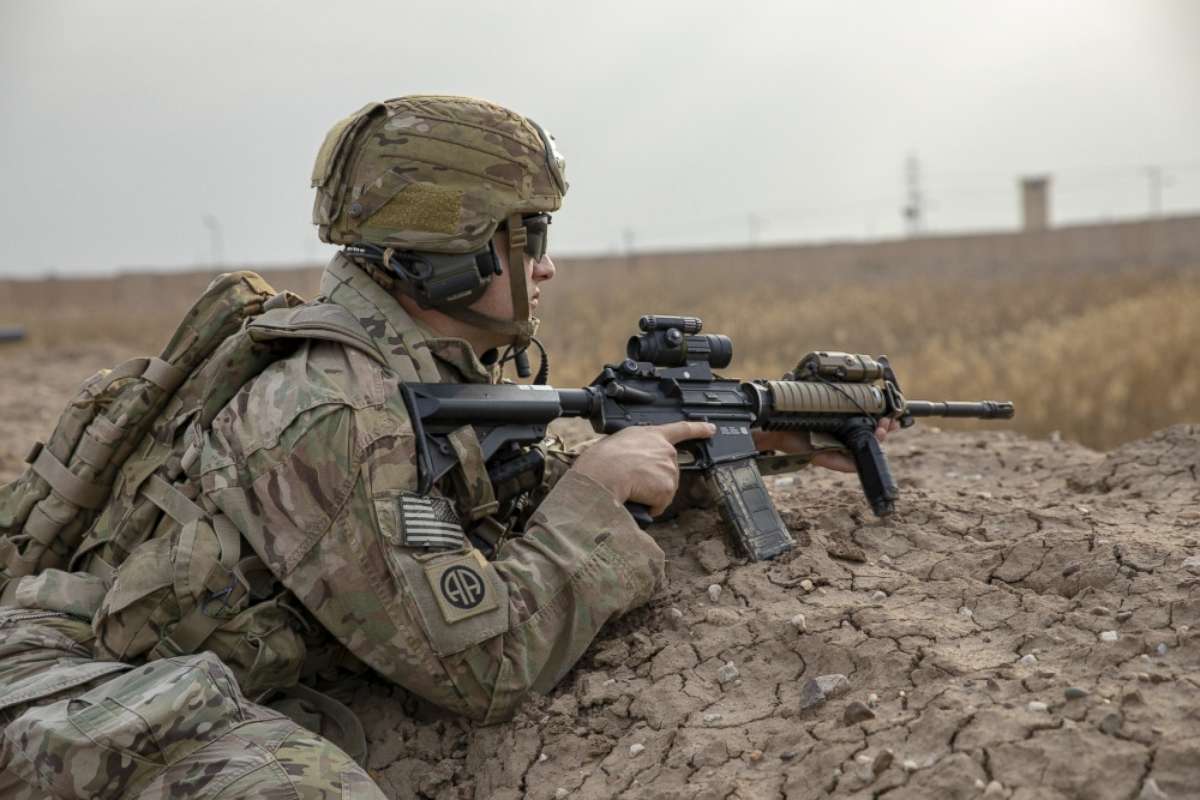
638 464
788 442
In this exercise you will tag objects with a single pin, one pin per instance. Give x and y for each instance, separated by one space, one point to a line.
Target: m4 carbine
668 376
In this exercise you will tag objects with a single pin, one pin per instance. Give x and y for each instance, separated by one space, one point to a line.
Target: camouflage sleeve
327 499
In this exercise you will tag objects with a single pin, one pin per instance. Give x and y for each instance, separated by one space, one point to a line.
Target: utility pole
1155 181
914 205
216 240
753 226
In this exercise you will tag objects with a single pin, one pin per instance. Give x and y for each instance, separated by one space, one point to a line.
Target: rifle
668 376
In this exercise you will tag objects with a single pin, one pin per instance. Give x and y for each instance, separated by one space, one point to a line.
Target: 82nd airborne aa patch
462 586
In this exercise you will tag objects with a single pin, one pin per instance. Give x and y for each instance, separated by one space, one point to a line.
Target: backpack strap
323 321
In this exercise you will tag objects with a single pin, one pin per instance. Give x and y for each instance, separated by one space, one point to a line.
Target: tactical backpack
104 523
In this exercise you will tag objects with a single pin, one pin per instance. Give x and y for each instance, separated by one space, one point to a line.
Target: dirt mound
1003 635
1024 626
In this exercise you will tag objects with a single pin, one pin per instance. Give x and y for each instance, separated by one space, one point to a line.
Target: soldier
443 207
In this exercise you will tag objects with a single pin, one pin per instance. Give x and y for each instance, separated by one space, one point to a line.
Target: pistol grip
748 510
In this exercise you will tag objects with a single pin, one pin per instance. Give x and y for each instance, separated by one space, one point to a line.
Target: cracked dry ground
968 615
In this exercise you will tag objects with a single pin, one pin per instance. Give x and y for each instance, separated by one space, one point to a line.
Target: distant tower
914 205
1035 203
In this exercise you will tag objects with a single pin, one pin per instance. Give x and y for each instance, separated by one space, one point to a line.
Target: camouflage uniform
315 463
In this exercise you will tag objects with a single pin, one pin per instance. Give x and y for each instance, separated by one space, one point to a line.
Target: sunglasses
537 229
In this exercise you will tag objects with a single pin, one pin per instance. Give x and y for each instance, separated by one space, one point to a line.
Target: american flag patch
429 522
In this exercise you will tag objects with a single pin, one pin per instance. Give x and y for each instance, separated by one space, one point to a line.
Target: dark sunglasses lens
537 229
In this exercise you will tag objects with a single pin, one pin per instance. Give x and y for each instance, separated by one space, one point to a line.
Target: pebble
872 700
882 761
821 688
800 623
727 673
1046 672
1150 791
1109 636
674 617
635 749
909 765
560 793
1192 565
710 719
1161 650
756 755
966 612
1071 569
542 757
1123 615
994 789
787 755
885 560
1075 692
1111 724
1037 706
1028 658
785 481
714 592
878 596
1101 611
806 585
857 712
1132 697
979 784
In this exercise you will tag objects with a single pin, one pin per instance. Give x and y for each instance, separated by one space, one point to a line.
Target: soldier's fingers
675 432
834 461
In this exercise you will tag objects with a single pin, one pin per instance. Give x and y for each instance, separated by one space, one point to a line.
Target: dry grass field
1101 356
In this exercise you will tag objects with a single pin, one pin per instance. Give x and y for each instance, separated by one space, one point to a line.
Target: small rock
1046 672
1056 437
984 495
1083 509
821 688
1132 697
1111 724
1161 649
979 784
787 755
1109 636
1071 569
882 761
1100 611
710 719
872 700
756 756
966 612
878 596
909 765
560 793
635 749
727 672
806 585
714 592
1075 692
1150 791
1144 677
857 712
1192 565
1027 659
1122 616
885 560
542 757
1037 706
785 481
675 618
995 788
800 623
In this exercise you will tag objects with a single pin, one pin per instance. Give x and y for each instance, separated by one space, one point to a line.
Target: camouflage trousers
75 727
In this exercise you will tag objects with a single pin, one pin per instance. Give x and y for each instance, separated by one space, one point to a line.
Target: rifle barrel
984 409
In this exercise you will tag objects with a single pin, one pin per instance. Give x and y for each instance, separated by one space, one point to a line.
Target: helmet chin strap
523 326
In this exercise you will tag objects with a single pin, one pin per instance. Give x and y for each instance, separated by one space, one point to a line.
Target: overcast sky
141 133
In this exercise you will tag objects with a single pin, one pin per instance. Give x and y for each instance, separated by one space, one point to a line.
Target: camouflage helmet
432 173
